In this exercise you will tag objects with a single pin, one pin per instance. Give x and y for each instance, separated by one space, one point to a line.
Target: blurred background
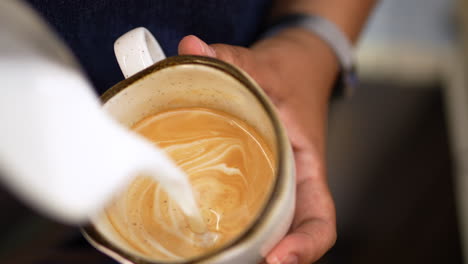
398 151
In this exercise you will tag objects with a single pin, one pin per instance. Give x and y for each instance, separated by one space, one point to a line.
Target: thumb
242 57
191 45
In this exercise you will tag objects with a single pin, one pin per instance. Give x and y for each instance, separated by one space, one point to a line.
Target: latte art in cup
231 169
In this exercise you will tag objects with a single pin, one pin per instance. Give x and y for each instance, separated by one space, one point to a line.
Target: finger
191 45
239 56
314 228
242 57
305 245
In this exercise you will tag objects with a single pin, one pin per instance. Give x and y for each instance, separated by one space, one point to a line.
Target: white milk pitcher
59 151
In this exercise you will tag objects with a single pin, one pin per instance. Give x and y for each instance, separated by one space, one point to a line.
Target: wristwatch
347 79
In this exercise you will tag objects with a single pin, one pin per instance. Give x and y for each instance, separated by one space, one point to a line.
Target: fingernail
290 259
209 51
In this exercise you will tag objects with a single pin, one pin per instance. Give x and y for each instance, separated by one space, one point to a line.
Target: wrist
302 58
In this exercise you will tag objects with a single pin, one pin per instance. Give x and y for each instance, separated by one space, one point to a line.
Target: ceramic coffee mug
193 81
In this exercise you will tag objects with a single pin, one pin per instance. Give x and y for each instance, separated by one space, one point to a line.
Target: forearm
304 64
349 15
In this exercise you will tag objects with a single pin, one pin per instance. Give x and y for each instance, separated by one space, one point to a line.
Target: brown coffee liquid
231 170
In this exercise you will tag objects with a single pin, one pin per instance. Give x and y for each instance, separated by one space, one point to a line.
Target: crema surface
231 169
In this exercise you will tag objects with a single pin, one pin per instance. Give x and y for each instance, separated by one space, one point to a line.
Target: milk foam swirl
231 170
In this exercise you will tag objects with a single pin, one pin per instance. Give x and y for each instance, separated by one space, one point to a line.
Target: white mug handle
137 50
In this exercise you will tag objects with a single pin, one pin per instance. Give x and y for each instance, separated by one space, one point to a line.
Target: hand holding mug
293 82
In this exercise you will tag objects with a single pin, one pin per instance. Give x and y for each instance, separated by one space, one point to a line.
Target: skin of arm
297 70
